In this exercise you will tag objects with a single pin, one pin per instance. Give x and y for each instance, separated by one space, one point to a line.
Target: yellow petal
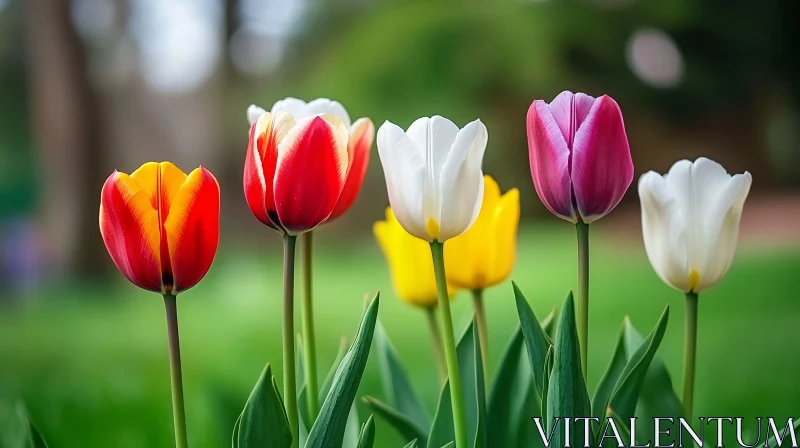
410 262
506 223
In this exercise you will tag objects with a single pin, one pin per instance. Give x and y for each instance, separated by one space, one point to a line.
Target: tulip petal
461 181
300 109
192 229
254 113
549 158
720 198
358 147
469 256
310 172
130 228
569 111
664 230
405 173
410 262
602 169
434 138
504 236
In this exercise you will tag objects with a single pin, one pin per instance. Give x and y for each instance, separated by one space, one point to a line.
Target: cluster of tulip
447 228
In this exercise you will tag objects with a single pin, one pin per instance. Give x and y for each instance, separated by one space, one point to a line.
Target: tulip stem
289 379
309 344
456 399
583 294
689 353
483 334
437 343
178 411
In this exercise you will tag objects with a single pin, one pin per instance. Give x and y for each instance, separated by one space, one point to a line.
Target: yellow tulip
410 262
483 256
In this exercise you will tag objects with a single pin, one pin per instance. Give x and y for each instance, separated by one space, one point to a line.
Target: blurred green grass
92 367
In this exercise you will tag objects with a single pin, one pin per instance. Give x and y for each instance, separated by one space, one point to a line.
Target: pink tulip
580 160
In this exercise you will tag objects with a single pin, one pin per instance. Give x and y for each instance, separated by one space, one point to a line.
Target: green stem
437 343
309 343
456 398
689 353
583 294
483 334
289 379
178 411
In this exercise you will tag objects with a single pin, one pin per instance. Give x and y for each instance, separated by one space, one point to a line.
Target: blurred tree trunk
68 136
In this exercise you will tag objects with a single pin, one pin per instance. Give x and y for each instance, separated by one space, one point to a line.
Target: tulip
359 141
484 255
581 167
690 225
161 228
435 186
411 268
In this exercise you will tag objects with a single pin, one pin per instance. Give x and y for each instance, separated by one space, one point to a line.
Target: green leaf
509 399
235 436
473 391
605 387
772 443
367 437
481 435
442 426
449 445
408 429
626 392
411 444
549 324
328 431
657 397
566 394
352 429
37 441
536 340
396 385
326 384
548 370
263 422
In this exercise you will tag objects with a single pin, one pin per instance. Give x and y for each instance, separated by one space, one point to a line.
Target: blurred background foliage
89 86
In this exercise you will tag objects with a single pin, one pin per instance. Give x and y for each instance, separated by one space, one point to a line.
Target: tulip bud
347 152
483 256
433 175
579 155
690 222
410 263
160 226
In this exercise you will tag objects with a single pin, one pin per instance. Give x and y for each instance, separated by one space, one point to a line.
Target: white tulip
433 175
690 222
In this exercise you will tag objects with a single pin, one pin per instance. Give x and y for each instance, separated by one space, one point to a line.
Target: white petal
254 113
663 230
326 106
461 181
434 138
721 227
404 171
294 106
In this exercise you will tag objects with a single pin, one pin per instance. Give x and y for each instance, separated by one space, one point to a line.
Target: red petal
310 173
259 170
131 231
192 228
358 148
549 161
602 169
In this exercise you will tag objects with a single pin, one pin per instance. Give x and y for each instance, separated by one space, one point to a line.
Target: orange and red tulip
161 226
296 169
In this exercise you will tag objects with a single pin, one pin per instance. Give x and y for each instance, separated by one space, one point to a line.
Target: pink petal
570 110
602 169
549 161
